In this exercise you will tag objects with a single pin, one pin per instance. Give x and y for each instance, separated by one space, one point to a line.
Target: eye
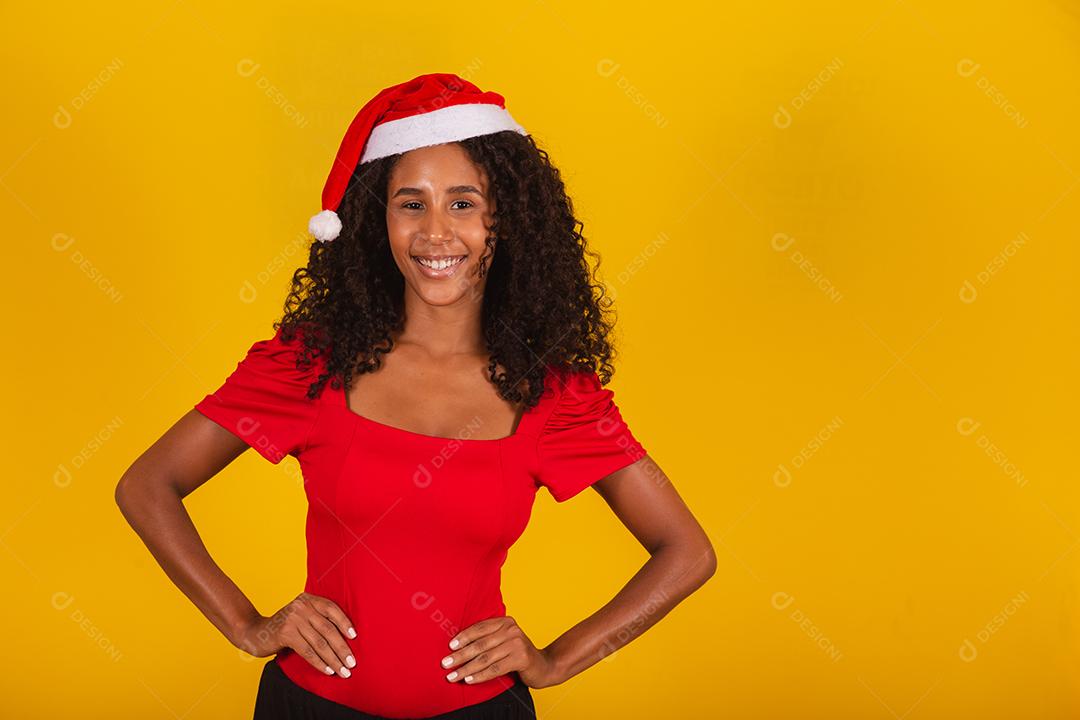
411 202
462 201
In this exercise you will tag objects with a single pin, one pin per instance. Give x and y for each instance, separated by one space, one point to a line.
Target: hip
281 698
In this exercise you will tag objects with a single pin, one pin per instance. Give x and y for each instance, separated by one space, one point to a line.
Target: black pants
279 698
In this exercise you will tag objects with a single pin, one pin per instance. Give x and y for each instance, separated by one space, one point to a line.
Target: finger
468 652
332 611
303 648
477 630
323 649
330 632
484 666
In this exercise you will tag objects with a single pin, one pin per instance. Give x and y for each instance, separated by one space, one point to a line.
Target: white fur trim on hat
325 226
448 124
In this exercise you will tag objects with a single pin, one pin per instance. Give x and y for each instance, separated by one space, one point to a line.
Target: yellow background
843 242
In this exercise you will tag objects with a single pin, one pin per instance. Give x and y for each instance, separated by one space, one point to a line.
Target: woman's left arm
681 560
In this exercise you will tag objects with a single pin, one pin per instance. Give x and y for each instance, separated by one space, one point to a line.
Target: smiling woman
450 308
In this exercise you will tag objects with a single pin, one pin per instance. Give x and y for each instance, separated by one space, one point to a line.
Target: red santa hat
427 110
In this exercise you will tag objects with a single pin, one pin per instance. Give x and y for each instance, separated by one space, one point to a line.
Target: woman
439 360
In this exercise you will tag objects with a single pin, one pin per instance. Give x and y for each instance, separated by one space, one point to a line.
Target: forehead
438 165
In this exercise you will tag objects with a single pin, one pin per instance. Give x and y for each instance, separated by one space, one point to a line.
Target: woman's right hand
311 625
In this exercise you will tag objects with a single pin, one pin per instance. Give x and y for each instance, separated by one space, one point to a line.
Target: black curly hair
542 304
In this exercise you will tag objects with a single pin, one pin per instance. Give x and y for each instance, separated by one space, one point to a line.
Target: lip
439 274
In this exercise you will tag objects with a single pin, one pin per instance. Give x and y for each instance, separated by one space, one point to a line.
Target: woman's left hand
494 647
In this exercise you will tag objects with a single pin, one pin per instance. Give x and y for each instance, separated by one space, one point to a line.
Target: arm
150 496
681 560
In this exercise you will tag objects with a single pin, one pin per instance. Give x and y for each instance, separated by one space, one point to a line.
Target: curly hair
542 305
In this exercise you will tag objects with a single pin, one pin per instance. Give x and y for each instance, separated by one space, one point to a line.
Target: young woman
441 357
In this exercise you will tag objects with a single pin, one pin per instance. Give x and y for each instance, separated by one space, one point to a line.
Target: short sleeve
584 438
263 402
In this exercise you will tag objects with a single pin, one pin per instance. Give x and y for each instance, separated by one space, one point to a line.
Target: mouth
439 266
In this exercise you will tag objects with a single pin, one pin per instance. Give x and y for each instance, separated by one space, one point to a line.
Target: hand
313 626
494 647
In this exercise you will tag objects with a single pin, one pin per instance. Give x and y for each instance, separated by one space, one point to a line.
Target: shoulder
576 395
282 359
584 437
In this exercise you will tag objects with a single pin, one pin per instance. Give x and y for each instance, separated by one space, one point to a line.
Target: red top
408 532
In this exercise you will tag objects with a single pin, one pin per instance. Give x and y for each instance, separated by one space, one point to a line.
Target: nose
437 227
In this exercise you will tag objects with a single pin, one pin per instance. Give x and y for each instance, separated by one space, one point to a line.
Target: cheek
399 234
478 230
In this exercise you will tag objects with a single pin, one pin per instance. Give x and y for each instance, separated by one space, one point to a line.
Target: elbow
131 492
694 561
702 559
122 495
707 562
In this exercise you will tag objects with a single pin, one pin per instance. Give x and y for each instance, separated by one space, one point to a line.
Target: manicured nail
454 644
352 633
329 671
350 661
452 675
345 672
447 660
468 678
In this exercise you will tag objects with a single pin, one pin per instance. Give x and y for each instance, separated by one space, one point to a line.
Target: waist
385 694
405 613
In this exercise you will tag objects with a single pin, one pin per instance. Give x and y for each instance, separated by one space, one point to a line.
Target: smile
439 267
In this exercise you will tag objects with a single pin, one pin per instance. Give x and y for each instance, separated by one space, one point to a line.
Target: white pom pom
325 226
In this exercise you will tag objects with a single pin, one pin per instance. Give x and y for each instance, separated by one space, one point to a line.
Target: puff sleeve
263 402
584 438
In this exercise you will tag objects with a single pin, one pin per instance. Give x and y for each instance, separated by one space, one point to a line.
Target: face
437 217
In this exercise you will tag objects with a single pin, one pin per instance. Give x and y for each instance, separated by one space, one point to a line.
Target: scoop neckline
343 395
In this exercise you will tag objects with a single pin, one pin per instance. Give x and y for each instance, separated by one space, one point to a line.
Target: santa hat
427 110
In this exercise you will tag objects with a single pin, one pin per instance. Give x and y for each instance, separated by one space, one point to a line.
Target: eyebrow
455 190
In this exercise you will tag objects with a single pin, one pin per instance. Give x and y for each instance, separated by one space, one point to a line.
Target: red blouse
408 532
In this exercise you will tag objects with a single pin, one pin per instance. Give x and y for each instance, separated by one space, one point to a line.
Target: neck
443 330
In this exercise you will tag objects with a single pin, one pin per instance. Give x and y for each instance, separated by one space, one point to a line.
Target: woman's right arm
150 496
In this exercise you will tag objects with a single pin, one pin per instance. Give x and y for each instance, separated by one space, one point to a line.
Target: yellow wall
843 242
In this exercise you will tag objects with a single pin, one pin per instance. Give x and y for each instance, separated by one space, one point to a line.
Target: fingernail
350 661
452 675
454 644
468 678
352 633
329 670
447 660
345 672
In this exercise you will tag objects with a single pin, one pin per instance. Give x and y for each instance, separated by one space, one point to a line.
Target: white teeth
439 264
